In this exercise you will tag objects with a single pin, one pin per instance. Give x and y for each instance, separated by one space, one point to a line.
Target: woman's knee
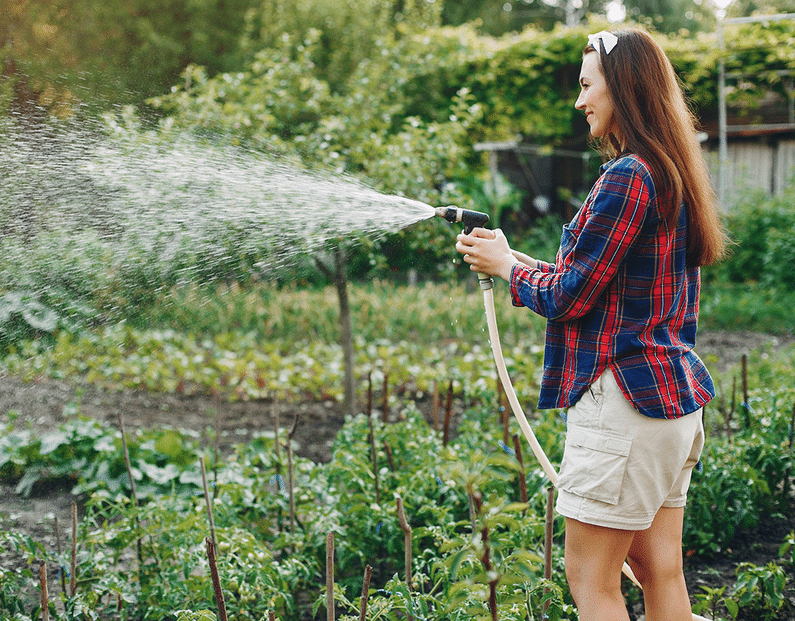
660 568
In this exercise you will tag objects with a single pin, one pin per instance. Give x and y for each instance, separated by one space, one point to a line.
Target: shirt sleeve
588 261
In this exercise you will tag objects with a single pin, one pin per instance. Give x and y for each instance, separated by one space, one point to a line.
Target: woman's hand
487 251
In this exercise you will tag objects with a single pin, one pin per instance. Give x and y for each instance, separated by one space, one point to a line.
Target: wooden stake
369 395
374 459
486 560
385 396
45 596
745 378
407 545
330 576
389 456
217 446
219 594
368 572
62 571
505 414
448 413
208 503
792 427
73 577
404 525
435 406
126 453
549 524
517 448
746 406
276 450
133 494
290 435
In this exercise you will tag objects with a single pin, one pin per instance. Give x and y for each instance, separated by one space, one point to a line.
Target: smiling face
594 99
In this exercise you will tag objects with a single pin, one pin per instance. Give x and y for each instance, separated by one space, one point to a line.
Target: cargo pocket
594 463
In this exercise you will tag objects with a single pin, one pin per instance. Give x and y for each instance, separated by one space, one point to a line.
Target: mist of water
75 202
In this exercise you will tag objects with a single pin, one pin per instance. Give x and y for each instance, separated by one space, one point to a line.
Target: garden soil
46 403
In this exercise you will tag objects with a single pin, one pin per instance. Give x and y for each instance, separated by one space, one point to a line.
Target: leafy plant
711 600
761 590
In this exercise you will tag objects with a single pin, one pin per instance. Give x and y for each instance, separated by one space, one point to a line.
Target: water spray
472 219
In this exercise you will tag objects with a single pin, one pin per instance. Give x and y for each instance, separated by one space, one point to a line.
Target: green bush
761 228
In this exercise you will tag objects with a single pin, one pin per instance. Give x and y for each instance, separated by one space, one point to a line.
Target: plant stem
219 594
208 503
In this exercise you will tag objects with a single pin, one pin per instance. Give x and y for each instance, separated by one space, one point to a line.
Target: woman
621 302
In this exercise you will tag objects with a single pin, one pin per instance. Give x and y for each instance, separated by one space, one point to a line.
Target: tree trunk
346 331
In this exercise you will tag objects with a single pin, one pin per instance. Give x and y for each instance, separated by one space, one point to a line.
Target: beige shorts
619 466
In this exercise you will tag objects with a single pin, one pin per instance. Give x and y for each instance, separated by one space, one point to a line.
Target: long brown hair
654 121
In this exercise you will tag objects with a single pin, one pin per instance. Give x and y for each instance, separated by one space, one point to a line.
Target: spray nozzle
470 218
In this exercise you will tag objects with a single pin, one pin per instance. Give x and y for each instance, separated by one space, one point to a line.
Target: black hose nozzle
471 219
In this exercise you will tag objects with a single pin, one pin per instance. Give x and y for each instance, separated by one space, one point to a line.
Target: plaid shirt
620 295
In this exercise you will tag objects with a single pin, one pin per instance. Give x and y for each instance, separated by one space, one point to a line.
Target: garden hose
487 285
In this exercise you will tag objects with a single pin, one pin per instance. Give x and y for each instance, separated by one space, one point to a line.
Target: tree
101 53
497 17
742 8
672 16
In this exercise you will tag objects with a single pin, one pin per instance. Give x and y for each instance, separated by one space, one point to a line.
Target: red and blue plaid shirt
620 295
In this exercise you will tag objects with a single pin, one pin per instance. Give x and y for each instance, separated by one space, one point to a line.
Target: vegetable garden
446 453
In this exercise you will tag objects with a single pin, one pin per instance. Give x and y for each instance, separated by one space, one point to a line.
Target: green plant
761 590
711 600
788 547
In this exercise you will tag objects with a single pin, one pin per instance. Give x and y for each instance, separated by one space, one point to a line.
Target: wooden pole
517 448
219 594
73 577
290 472
330 576
208 503
549 525
368 572
435 406
62 571
45 596
385 398
448 413
407 545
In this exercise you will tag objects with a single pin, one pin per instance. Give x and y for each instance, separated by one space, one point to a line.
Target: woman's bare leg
655 556
594 558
